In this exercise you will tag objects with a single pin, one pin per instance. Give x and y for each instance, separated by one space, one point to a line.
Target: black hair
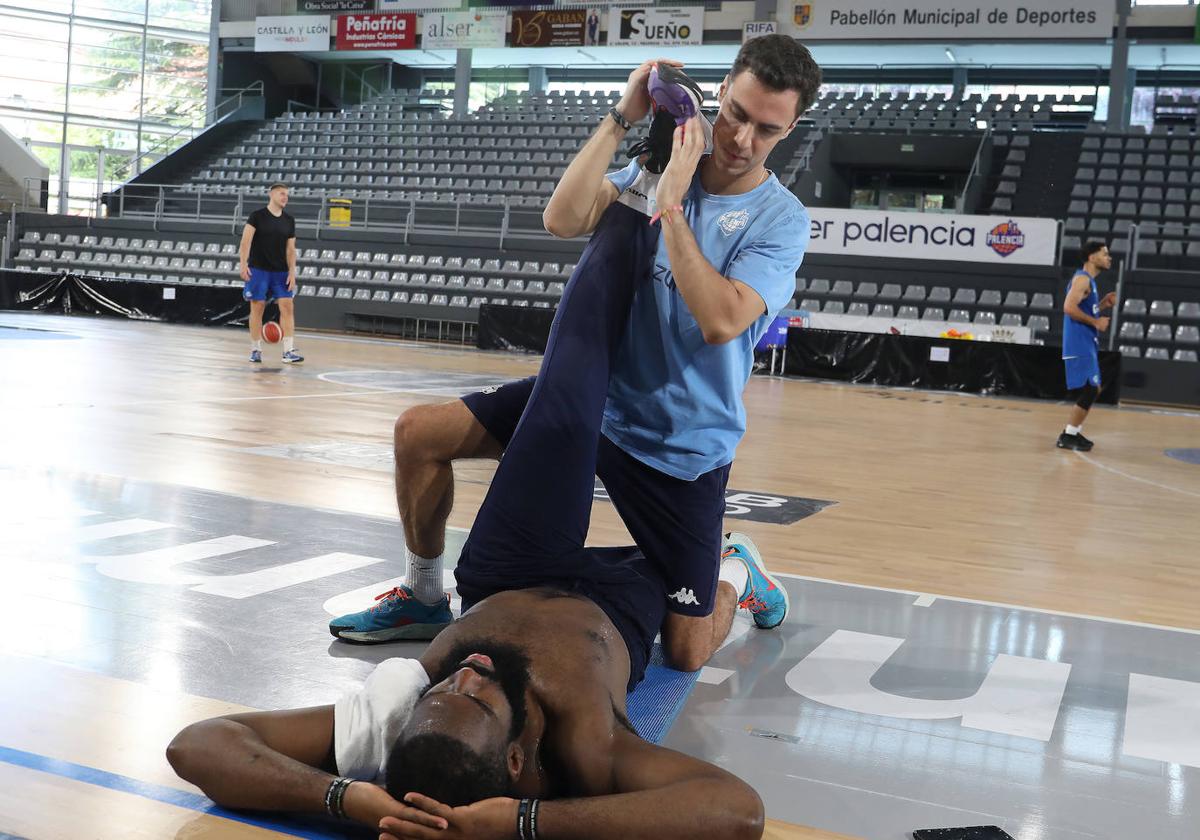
781 63
444 768
1092 247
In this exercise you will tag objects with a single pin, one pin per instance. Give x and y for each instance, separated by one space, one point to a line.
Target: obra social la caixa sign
1001 240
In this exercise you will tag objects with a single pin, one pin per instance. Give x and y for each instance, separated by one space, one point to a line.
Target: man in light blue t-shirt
731 240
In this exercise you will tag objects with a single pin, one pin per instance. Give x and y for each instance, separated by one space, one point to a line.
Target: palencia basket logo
1006 238
633 25
803 15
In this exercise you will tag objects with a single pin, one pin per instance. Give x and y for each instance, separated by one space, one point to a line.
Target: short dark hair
446 769
1092 247
781 63
277 185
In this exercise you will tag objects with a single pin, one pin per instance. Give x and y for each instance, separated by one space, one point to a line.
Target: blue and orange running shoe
396 616
764 596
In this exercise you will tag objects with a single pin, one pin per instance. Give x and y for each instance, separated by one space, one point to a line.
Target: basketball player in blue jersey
732 238
1082 325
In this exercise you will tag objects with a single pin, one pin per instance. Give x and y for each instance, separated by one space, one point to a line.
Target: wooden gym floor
955 496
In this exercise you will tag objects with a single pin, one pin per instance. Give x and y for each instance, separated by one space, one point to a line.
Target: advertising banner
657 26
555 28
455 30
755 28
335 6
1000 240
947 19
292 33
410 5
377 32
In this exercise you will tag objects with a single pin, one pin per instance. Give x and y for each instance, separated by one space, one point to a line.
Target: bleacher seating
377 275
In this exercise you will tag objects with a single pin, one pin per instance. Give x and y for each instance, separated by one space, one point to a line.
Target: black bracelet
334 794
523 819
619 119
533 812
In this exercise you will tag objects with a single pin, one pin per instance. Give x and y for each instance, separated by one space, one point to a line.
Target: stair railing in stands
213 115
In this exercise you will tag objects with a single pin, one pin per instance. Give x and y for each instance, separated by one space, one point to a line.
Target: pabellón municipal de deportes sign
939 19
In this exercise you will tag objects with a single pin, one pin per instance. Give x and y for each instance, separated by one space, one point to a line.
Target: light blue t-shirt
675 402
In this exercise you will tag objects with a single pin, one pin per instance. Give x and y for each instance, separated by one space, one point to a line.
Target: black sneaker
676 99
1084 442
1066 441
1069 442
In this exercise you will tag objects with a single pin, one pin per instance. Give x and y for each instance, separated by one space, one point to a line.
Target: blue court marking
1188 456
33 334
313 828
659 698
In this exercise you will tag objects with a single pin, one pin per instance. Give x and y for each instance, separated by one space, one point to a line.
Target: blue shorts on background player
266 285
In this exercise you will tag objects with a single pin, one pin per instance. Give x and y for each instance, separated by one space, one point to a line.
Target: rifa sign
758 28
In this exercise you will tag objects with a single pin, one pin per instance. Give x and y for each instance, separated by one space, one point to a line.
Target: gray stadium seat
985 317
1131 351
1160 333
883 310
833 307
939 294
890 291
1184 356
1134 306
1189 311
933 313
1016 300
965 297
1131 331
1010 319
1038 323
1157 353
959 316
908 313
1187 335
862 310
916 293
1042 302
1162 309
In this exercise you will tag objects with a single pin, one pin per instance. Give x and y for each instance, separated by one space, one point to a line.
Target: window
98 88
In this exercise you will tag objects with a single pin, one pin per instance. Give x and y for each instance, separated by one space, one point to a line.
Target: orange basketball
271 332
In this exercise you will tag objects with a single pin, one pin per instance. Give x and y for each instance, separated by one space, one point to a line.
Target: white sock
256 345
734 572
1074 430
424 577
289 344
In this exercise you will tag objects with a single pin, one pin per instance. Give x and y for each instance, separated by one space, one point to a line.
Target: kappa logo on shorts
490 389
733 221
685 596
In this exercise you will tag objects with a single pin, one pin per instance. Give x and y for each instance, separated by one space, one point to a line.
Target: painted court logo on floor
757 507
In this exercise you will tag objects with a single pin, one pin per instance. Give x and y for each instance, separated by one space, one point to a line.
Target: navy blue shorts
677 524
532 525
266 285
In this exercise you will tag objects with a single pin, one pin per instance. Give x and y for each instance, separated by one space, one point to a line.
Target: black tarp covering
136 299
521 328
976 367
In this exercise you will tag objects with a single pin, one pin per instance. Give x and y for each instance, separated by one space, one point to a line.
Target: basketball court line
1116 471
926 599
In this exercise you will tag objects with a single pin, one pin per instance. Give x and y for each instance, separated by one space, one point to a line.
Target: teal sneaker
765 597
396 616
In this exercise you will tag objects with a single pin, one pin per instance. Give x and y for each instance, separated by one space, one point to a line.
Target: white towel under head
367 721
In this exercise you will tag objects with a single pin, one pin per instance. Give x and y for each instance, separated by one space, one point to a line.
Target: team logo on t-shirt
1006 238
733 221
